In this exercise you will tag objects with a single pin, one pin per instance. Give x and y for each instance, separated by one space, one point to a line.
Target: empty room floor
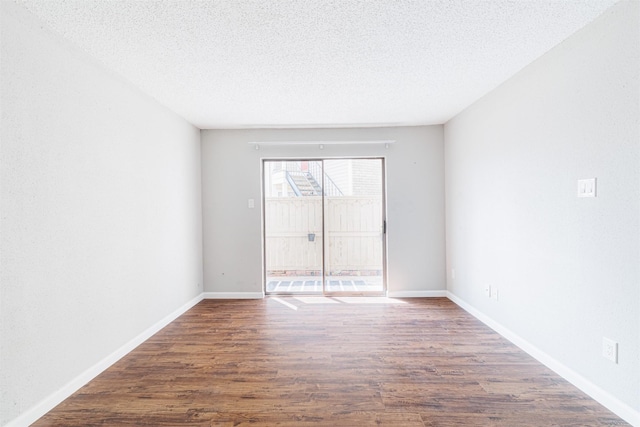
300 361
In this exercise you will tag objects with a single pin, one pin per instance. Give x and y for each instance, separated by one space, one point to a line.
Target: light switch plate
587 187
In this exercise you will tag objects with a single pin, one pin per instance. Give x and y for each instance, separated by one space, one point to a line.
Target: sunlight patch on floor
316 300
369 300
348 300
294 302
285 303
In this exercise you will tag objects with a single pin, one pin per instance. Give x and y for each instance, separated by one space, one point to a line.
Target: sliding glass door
354 226
324 226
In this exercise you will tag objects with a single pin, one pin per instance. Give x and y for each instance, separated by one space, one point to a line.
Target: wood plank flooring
422 362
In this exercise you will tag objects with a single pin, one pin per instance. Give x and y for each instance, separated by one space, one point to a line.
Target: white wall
100 209
567 269
415 203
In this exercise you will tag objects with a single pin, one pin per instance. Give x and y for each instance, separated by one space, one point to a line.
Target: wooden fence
293 233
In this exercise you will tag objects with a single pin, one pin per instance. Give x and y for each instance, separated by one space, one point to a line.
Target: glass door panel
354 226
292 227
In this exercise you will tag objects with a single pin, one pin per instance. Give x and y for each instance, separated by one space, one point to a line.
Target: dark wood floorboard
422 363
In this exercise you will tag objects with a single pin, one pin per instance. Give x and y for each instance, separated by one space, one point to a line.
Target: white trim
34 413
609 401
233 295
353 142
417 294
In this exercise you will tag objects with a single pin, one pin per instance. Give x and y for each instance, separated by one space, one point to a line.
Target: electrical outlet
610 349
487 291
494 293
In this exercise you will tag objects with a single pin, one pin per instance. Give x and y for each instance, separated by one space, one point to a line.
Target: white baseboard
50 402
416 294
616 406
233 295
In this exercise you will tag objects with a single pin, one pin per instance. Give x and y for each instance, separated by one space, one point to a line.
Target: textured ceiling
303 63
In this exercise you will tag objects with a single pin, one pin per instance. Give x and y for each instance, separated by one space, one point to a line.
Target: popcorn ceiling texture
297 63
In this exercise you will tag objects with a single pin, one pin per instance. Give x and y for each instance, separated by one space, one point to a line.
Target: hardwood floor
423 362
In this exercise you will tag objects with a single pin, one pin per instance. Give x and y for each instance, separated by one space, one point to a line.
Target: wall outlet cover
610 350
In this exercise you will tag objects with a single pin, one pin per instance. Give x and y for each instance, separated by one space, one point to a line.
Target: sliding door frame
383 213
